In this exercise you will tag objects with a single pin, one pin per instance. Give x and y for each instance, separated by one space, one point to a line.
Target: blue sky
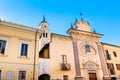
103 15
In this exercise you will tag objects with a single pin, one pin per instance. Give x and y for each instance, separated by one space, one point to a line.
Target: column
77 63
103 62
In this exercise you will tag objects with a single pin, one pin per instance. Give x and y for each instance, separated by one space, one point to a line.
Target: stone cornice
74 31
16 64
59 35
11 25
110 45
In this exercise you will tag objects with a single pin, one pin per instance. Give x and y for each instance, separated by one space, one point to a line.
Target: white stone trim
28 52
6 47
26 78
16 64
86 42
44 66
2 73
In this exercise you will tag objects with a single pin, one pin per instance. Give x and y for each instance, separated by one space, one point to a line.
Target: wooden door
92 76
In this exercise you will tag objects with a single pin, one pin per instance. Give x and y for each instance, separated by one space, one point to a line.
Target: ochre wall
11 61
61 45
114 60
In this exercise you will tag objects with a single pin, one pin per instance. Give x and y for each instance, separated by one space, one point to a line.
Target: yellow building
112 57
18 52
28 53
79 56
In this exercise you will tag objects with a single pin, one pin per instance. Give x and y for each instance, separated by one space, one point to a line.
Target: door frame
91 67
92 73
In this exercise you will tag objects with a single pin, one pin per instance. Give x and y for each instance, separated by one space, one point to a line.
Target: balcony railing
64 66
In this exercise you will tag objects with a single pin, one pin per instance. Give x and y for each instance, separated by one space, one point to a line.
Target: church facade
38 54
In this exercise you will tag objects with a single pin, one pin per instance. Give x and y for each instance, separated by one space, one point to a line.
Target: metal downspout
35 54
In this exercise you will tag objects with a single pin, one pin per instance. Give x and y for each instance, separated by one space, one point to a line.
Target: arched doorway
44 77
91 70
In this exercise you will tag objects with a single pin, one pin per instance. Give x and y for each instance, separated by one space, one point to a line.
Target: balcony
64 66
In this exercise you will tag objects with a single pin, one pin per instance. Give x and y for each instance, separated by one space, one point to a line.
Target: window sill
87 52
3 55
23 57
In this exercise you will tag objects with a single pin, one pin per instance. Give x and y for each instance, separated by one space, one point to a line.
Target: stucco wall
114 60
12 61
61 45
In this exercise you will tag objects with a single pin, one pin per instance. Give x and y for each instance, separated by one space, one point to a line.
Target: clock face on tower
87 50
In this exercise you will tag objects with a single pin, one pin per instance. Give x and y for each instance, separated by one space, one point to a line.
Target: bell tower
45 38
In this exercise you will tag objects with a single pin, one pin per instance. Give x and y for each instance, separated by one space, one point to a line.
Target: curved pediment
83 25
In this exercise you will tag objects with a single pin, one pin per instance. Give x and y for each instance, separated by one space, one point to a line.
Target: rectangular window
2 46
24 49
107 55
111 68
65 77
118 66
114 53
64 59
22 75
10 75
87 48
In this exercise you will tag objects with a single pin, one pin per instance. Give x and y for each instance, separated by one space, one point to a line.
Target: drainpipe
35 54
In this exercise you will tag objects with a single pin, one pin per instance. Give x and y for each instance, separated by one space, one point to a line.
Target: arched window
43 34
46 35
